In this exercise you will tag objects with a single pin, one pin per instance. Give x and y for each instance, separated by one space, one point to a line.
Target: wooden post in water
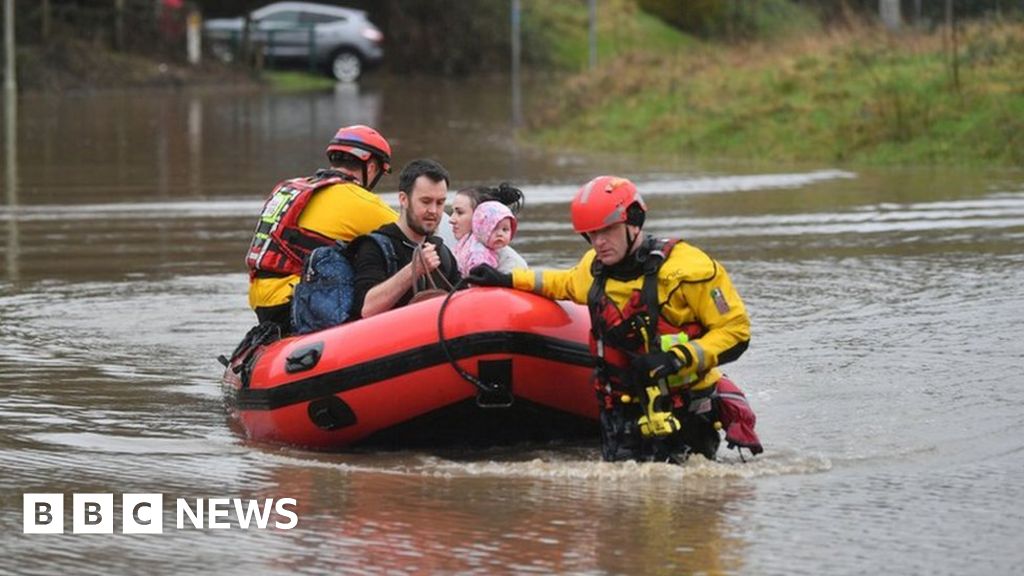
10 72
245 44
11 137
119 25
44 10
193 36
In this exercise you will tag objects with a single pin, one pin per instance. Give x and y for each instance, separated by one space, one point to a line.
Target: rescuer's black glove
487 275
657 365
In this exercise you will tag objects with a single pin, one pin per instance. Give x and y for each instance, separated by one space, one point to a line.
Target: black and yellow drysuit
662 321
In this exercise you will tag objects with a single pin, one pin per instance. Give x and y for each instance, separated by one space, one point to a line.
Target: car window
310 18
283 17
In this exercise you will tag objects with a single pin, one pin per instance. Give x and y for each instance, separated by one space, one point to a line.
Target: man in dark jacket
422 192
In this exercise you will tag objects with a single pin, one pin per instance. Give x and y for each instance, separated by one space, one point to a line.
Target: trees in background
469 36
760 18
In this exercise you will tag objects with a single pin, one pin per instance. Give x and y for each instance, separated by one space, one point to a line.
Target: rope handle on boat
483 387
419 260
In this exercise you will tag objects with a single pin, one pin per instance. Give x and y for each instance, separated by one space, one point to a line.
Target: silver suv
342 41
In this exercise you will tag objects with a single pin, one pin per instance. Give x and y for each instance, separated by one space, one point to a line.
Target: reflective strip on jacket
340 212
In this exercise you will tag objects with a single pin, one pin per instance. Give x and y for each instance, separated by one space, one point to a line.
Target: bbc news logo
144 513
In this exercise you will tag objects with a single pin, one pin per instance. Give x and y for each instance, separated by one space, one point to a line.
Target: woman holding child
484 222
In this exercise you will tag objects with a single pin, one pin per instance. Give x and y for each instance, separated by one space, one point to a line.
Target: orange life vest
618 335
279 245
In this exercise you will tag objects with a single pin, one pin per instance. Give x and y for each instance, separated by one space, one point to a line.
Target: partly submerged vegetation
855 93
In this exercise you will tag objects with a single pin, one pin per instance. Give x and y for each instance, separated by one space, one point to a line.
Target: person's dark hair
635 215
345 160
421 167
505 193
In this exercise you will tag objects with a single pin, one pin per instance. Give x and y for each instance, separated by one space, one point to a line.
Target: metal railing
260 51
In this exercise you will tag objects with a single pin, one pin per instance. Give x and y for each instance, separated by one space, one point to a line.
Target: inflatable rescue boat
485 366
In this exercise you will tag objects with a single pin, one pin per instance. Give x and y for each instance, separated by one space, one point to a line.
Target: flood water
885 364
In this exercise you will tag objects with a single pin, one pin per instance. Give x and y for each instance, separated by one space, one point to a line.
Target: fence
142 26
262 47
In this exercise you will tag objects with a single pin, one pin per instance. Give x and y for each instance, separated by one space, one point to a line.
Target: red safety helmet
361 142
604 201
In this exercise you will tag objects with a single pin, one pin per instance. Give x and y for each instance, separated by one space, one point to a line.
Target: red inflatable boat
489 366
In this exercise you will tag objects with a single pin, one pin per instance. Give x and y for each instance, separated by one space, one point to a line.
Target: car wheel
346 66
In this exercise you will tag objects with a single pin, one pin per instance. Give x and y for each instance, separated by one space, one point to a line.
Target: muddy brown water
885 364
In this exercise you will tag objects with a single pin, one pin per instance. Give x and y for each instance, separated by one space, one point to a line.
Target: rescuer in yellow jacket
664 315
302 214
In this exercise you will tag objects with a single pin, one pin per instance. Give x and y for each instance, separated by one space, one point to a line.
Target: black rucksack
324 296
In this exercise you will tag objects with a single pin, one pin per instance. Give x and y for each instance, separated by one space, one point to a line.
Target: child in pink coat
494 226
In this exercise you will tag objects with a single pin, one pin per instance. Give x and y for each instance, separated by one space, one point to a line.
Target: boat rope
431 288
483 387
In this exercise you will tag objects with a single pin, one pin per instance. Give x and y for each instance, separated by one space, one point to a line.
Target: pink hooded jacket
472 249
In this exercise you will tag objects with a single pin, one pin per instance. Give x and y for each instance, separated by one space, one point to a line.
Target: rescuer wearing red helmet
663 316
305 213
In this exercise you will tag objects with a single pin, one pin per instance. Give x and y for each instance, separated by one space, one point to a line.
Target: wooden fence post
119 25
44 10
193 36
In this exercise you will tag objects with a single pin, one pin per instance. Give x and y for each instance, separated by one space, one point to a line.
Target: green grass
863 97
557 33
292 81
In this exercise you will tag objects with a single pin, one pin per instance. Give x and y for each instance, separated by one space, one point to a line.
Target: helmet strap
632 241
366 170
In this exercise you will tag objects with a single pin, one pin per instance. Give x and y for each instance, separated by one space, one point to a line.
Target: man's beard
418 226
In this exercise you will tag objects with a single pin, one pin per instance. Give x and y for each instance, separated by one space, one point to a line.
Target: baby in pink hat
494 225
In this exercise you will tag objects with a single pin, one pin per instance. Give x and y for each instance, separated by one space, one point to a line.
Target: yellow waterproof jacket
342 212
692 287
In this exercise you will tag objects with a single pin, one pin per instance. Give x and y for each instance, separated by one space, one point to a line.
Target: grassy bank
861 96
294 81
556 34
